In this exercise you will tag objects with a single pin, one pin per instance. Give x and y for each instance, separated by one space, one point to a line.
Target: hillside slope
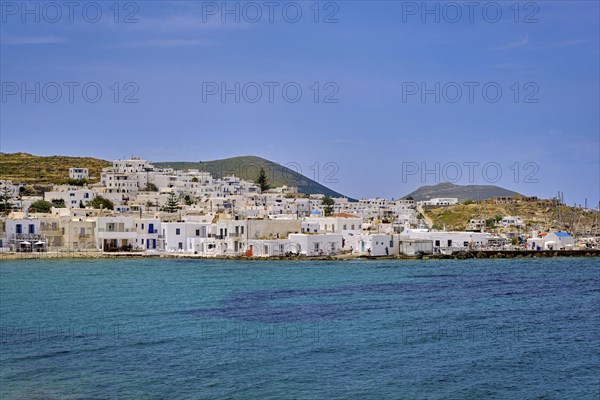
536 217
27 168
248 167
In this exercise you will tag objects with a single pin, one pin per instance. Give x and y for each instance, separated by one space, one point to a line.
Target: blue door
150 228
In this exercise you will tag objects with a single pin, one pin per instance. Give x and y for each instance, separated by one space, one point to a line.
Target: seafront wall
461 255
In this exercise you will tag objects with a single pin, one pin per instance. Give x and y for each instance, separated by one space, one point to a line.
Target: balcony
116 230
28 236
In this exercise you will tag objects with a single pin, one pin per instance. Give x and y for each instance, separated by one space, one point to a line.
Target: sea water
194 329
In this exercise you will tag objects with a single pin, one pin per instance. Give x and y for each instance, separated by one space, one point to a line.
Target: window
449 243
177 231
197 232
31 228
19 229
437 243
466 244
180 246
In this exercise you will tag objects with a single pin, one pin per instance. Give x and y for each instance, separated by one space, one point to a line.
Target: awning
26 243
40 242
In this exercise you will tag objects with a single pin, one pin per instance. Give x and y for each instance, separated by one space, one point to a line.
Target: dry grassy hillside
27 168
543 218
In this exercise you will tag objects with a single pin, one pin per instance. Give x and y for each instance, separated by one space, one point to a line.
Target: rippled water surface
187 329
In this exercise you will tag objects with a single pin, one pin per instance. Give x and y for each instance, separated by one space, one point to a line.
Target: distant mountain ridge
461 192
248 167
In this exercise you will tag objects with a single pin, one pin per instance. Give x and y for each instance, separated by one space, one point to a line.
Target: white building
78 173
182 237
315 245
412 247
447 240
115 233
440 201
147 234
270 248
24 235
510 220
73 196
559 241
375 245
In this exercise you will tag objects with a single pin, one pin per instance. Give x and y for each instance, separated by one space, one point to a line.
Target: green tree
40 206
75 182
6 204
187 199
263 181
58 203
151 187
194 179
328 202
101 202
172 204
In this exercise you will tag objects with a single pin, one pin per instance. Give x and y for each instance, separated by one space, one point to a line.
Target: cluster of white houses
219 217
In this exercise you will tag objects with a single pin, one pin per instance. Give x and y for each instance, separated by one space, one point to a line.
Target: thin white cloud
569 43
168 43
30 40
187 23
513 45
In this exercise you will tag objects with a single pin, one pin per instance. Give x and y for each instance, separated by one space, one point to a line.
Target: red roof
344 215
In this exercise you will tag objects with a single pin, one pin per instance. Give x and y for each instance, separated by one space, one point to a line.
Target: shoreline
461 255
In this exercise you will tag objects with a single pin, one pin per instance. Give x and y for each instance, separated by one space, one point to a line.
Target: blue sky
545 60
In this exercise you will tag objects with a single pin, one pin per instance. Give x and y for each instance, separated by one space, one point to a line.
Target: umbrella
39 242
26 242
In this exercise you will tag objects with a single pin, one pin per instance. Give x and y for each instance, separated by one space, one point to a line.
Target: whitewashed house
78 173
115 233
148 234
73 196
559 241
372 244
176 235
270 248
412 247
447 240
24 235
315 245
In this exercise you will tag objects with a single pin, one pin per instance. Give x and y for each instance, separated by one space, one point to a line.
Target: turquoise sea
394 329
